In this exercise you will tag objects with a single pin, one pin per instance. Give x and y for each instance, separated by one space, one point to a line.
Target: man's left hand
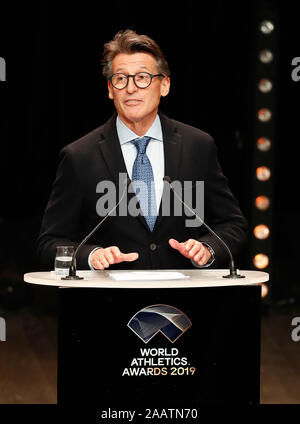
192 249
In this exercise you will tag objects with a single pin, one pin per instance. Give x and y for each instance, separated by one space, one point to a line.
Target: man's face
135 104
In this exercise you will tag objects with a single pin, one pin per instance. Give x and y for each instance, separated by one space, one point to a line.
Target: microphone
72 270
232 271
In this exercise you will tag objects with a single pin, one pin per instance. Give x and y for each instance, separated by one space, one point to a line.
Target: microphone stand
233 272
72 270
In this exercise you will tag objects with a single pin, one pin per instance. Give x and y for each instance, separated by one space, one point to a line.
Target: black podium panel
194 346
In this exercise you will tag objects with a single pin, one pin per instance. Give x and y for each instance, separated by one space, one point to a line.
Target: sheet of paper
147 275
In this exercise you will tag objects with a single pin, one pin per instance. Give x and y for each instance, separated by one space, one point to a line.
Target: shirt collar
125 134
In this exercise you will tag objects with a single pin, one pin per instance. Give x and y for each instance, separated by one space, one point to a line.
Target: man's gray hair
130 42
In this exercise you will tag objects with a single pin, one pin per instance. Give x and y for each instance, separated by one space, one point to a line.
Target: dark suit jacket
190 155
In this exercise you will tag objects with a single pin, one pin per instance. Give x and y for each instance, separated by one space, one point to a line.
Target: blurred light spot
263 144
263 173
264 290
261 231
266 27
266 56
262 202
264 114
265 85
261 261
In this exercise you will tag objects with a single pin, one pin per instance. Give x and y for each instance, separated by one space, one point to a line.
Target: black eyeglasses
141 79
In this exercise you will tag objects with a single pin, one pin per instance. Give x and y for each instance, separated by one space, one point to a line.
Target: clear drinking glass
63 259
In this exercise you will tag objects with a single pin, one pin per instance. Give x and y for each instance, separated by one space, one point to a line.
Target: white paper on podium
148 275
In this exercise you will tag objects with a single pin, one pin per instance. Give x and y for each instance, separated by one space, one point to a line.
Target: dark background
55 93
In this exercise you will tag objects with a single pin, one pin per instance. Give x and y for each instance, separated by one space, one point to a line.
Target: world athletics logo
168 320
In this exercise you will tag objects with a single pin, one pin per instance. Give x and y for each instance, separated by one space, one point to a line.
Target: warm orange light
261 231
263 144
264 290
263 173
262 202
261 261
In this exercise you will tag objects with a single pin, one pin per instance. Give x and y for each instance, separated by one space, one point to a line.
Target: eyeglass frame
133 77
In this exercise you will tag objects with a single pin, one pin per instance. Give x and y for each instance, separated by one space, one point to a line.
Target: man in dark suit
138 75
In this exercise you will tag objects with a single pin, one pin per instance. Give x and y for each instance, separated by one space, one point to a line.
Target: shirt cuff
89 258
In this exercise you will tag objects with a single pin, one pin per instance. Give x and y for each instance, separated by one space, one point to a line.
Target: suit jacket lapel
172 154
110 149
172 147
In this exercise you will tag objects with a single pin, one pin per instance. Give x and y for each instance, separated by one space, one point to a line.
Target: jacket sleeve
222 213
62 217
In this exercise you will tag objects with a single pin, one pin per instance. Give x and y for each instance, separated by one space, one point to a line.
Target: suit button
153 247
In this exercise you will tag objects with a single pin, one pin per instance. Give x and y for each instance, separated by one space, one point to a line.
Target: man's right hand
103 258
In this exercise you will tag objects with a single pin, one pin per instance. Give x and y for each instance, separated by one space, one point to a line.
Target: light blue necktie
143 181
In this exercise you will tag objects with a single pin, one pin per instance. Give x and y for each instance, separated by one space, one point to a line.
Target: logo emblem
170 321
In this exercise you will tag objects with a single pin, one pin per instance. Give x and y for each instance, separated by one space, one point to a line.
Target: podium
158 343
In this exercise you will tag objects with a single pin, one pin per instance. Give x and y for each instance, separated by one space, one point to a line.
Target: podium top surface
105 279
